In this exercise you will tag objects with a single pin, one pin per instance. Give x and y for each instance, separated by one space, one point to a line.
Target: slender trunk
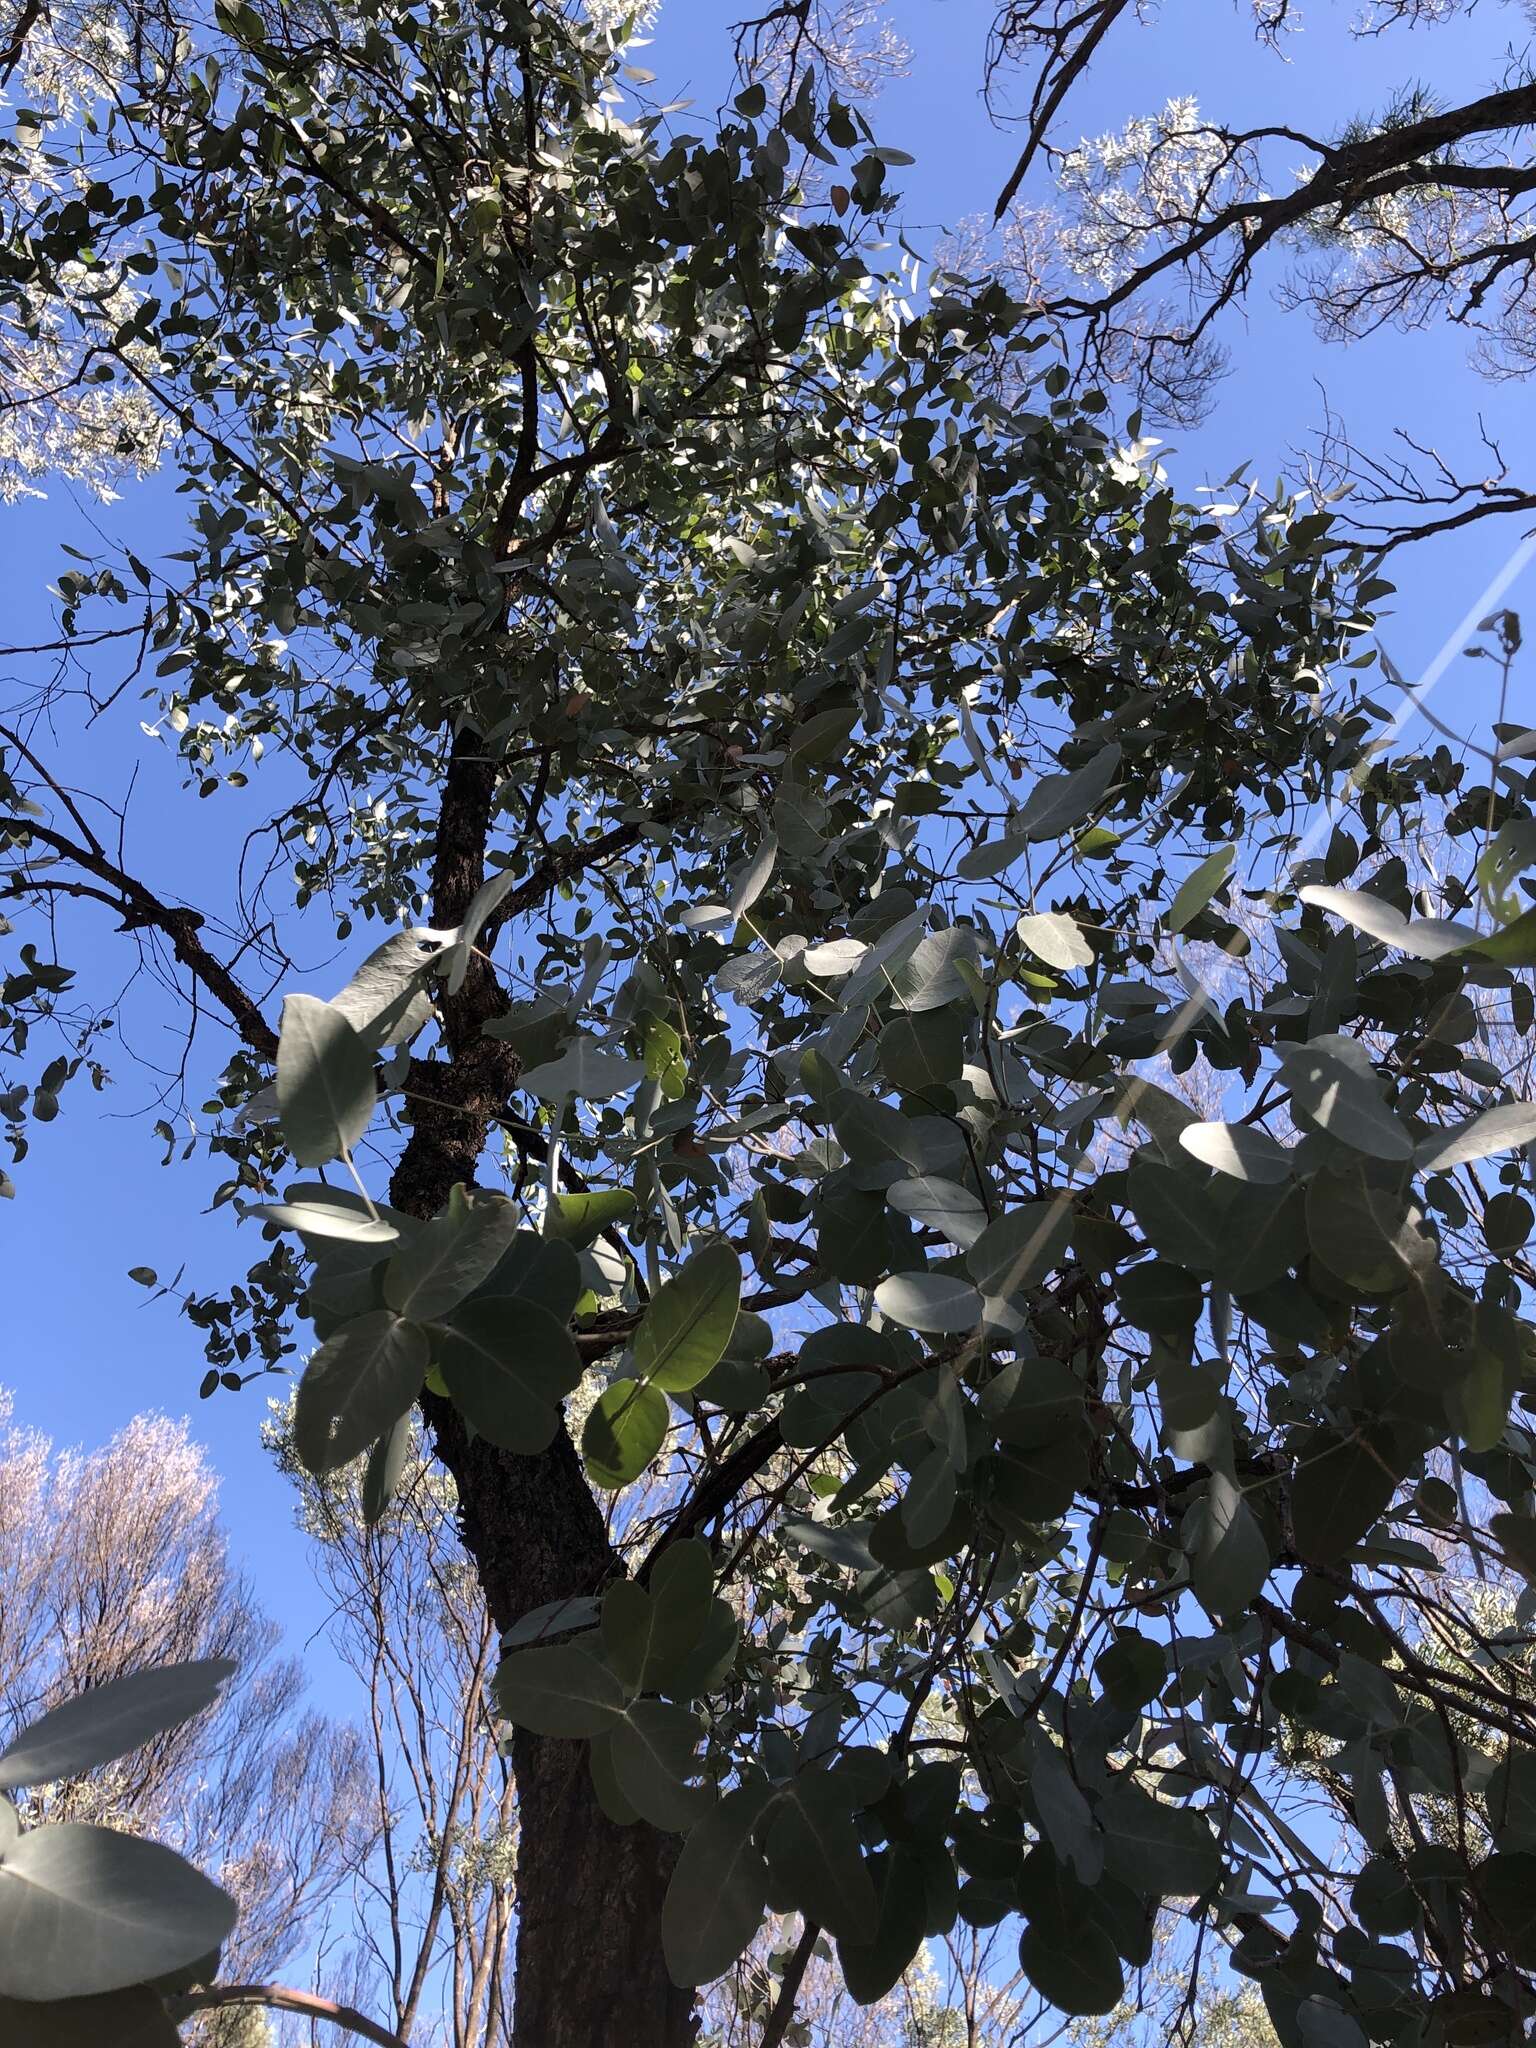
588 1971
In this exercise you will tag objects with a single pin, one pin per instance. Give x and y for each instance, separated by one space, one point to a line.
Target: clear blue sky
84 1347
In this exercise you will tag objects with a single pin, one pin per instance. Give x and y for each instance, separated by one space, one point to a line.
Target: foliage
830 813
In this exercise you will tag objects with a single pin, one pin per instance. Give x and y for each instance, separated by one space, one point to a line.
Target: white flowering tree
1417 212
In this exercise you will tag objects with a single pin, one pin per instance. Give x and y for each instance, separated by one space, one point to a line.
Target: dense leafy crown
830 826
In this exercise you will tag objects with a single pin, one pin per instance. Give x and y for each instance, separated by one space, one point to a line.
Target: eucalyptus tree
794 821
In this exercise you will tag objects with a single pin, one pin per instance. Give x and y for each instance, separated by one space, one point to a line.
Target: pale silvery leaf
931 1302
584 1071
385 1002
1502 1129
326 1091
1331 1079
111 1720
87 1910
755 877
454 960
1425 938
834 959
1238 1150
941 1205
1054 937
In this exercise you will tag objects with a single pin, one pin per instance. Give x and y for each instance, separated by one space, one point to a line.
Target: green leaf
87 1910
715 1901
1231 1562
684 1333
559 1689
1157 1848
1502 1129
941 1205
625 1429
1058 803
1514 946
449 1257
653 1755
581 1219
1020 1248
386 1462
326 1092
1074 1968
356 1387
923 1050
1343 1483
931 1302
1430 938
111 1720
872 1968
507 1364
1199 886
1331 1081
1054 937
650 1632
1516 1536
1239 1151
812 1847
583 1072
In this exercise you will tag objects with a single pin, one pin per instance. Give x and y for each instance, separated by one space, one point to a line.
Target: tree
1417 212
429 1911
115 1560
807 807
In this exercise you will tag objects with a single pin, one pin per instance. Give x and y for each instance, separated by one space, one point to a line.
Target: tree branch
281 1998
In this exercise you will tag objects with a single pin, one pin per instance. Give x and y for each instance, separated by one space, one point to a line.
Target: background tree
1416 212
115 1560
789 782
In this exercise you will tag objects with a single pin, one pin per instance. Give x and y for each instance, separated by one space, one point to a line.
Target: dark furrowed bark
589 1971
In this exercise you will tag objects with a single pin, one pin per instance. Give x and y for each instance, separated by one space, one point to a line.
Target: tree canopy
924 1097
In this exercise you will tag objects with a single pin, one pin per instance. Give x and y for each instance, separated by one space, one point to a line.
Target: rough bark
589 1971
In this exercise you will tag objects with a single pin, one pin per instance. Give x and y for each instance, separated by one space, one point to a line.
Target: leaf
560 1689
871 1969
1430 938
923 1050
337 1214
449 1257
684 1332
385 1002
653 1755
1343 1484
1516 1536
554 1618
508 1363
930 977
1239 1151
486 899
1232 1560
1055 938
580 1219
812 1847
1075 1968
1058 803
1501 1129
941 1205
1330 1079
1199 886
583 1071
386 1462
833 959
111 1720
623 1433
754 877
326 1093
1514 946
1018 1249
356 1387
87 1910
932 1302
715 1901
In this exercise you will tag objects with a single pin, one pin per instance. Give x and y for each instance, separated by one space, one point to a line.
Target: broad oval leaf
1018 1249
87 1910
813 1851
653 1752
1430 938
1058 803
715 1901
560 1689
583 1071
1504 1128
931 1302
1239 1151
941 1205
684 1332
356 1387
111 1720
448 1258
1330 1078
507 1363
1054 937
326 1092
623 1433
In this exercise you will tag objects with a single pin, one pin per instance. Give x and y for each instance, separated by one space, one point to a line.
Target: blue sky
86 1349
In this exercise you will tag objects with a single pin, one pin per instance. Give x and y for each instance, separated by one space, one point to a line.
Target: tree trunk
589 1971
